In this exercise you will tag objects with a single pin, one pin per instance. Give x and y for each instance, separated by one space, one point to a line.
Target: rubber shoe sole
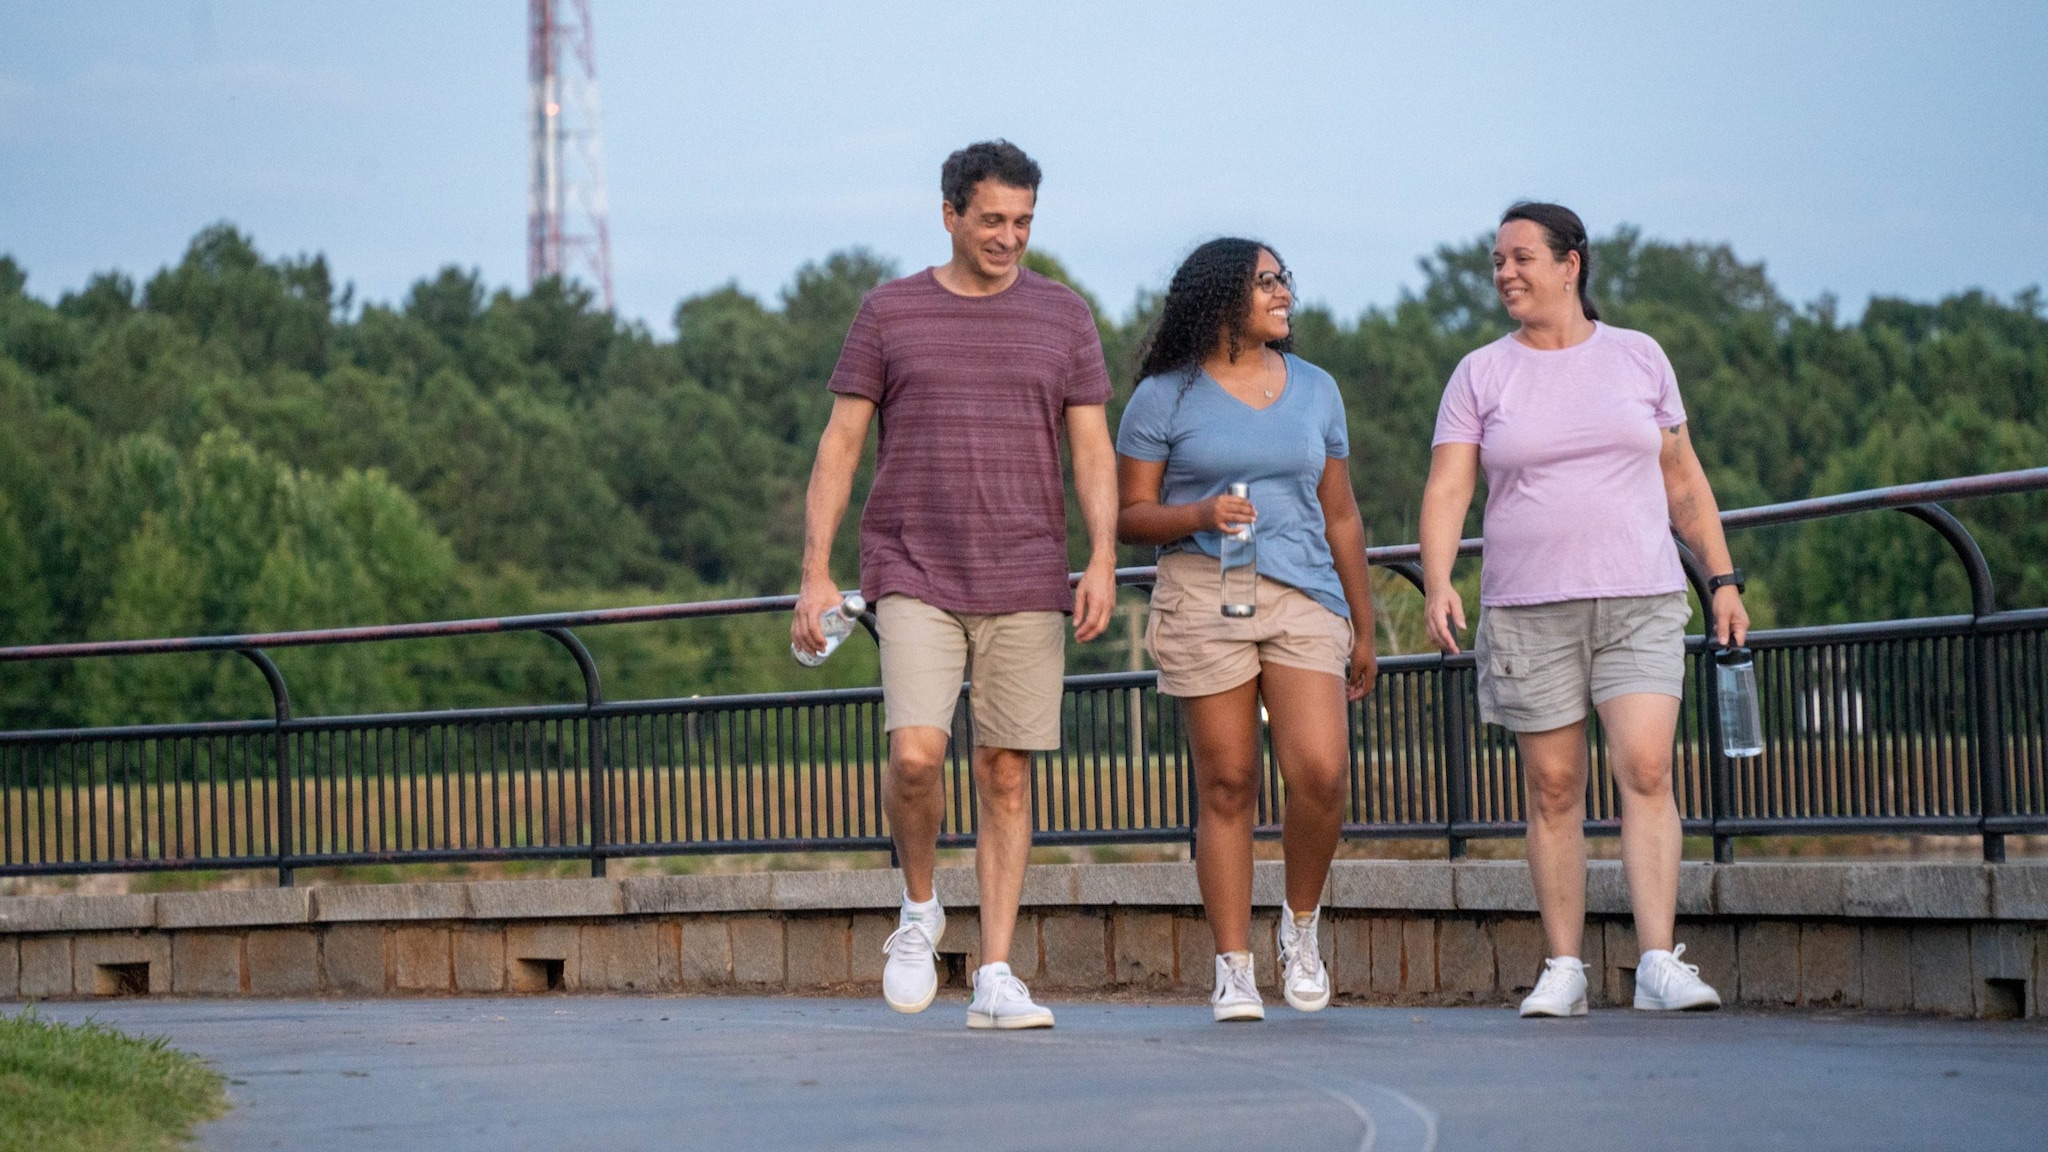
1227 1013
1575 1008
1039 1019
1705 1001
1301 1005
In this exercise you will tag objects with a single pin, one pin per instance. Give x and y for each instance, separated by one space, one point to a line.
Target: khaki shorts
1199 651
1540 663
1017 662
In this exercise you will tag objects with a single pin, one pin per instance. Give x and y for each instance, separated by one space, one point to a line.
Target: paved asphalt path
622 1073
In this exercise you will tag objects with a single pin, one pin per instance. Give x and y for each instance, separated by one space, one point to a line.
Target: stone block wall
1955 939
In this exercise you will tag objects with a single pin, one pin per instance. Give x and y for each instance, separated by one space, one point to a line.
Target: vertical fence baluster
1457 747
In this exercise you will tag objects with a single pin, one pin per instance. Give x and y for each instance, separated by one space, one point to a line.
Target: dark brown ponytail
1565 233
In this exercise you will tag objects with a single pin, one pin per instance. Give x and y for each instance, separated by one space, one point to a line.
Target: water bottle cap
854 605
1732 655
1240 488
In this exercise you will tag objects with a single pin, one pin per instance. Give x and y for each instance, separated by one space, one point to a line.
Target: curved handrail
1388 556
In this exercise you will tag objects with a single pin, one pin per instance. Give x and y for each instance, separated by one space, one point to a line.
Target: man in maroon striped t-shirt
973 367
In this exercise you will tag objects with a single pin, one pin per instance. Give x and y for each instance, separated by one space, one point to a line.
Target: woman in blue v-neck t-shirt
1223 400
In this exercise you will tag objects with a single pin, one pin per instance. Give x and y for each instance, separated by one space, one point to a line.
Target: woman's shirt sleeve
1457 416
1670 409
1145 432
1336 434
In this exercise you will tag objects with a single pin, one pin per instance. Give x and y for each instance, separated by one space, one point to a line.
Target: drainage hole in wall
2005 999
124 979
543 974
955 967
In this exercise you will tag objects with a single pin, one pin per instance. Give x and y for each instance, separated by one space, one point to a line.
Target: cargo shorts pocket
1507 670
1166 601
1531 667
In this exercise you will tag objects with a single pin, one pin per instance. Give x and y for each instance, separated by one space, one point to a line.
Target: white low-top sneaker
1560 991
910 977
1002 1001
1664 983
1237 990
1303 979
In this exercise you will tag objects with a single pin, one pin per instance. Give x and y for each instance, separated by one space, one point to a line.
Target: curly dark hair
1207 301
997 160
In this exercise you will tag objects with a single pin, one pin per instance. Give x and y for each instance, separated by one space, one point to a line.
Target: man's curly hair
1206 303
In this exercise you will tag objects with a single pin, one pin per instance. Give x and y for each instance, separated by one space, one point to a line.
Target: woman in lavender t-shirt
1589 469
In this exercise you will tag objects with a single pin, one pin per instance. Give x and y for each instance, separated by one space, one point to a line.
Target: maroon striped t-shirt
968 512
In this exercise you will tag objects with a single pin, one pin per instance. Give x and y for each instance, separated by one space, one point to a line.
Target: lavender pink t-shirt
968 512
1569 439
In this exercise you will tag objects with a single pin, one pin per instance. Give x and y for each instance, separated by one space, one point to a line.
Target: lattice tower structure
568 233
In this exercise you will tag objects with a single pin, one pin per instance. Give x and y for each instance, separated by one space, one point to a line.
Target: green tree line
236 445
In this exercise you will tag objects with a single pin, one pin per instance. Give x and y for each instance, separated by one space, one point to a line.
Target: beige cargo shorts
1199 651
1015 662
1540 664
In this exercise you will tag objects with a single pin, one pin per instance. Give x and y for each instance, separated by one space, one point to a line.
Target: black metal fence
1933 725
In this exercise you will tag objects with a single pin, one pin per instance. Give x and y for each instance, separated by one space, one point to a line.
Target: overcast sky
1856 148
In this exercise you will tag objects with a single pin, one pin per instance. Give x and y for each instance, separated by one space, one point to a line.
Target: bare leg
1311 741
1002 843
1639 729
1554 767
914 796
1223 734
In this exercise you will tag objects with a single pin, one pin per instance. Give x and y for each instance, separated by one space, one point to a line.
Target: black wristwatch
1734 577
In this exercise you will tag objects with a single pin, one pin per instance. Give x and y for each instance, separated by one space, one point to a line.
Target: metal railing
1932 725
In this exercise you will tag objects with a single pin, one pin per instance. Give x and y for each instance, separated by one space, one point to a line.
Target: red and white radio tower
566 228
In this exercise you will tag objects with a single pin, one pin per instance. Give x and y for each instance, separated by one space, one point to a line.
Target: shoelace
1555 971
1673 961
1008 987
924 938
1296 940
1301 962
1239 981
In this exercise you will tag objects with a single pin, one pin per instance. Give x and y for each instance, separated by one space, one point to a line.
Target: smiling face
991 234
1267 318
1534 285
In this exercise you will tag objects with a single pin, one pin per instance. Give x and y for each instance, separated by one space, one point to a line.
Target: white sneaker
1560 991
1002 1001
1303 979
1237 990
910 978
1664 983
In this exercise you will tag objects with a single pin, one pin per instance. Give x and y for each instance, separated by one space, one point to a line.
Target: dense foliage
235 446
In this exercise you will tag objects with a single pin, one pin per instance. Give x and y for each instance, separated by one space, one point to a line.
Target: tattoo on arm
1685 506
1685 516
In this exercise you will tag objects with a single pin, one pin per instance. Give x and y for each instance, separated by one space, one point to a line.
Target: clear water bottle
1240 565
1742 725
837 624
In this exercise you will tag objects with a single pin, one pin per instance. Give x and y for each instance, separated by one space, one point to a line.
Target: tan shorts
1017 662
1540 663
1199 651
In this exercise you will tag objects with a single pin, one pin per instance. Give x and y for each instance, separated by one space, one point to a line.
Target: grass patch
88 1088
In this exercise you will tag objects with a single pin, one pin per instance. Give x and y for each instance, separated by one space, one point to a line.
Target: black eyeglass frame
1270 282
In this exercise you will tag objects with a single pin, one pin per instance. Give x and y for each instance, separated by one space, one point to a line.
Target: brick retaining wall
1964 939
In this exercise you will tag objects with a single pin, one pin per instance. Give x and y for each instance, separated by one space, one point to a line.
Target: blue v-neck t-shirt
1209 439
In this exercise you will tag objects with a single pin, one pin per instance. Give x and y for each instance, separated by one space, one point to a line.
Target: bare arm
1345 530
839 449
1446 497
1095 484
1142 519
1697 519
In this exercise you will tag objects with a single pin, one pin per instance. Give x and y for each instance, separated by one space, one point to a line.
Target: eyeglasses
1271 282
